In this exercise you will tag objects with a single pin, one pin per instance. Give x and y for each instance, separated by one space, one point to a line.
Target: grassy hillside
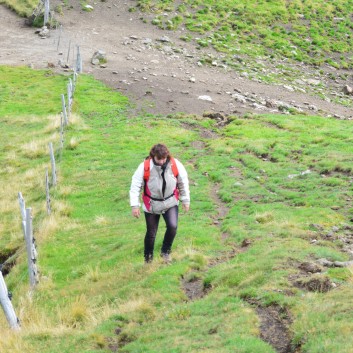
269 195
22 7
313 32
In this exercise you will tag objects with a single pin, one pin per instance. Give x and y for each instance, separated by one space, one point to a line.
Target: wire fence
72 60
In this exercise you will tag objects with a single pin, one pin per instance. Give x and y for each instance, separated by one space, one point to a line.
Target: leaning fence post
47 191
64 108
52 159
31 250
23 212
7 305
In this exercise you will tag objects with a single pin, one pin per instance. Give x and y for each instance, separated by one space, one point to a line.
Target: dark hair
160 151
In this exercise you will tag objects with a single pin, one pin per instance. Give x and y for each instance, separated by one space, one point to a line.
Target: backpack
146 174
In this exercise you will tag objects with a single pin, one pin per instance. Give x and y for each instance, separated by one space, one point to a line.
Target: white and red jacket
178 186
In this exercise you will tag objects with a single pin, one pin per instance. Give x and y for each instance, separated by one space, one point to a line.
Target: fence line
26 213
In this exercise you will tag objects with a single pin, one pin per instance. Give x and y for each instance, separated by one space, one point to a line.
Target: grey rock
313 107
98 57
347 90
205 98
239 98
164 39
313 82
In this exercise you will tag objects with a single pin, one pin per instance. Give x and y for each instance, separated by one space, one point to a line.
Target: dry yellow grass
33 149
53 124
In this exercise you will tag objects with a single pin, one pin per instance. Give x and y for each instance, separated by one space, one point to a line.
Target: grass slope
22 7
96 295
307 31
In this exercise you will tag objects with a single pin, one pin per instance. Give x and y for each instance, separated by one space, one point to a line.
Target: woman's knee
172 228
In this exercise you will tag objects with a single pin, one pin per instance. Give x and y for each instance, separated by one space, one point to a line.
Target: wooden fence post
53 167
31 250
7 305
63 104
69 99
78 61
23 213
72 88
61 131
68 53
46 12
74 80
47 191
60 30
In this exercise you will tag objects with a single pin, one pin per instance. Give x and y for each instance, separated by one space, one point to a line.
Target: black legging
152 221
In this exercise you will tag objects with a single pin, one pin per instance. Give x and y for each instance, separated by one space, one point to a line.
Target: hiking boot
148 258
166 258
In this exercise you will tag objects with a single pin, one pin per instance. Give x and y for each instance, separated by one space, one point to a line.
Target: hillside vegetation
22 7
261 263
270 196
313 32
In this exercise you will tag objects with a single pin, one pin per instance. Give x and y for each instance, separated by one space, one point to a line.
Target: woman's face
159 162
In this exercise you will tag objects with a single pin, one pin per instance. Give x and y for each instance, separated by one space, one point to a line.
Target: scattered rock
205 98
270 103
147 41
327 263
313 107
99 57
239 98
347 90
310 267
43 32
164 39
313 82
291 176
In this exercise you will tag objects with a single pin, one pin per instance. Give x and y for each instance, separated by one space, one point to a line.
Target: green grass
305 31
22 7
93 280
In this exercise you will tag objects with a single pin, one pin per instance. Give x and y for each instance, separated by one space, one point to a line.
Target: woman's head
160 153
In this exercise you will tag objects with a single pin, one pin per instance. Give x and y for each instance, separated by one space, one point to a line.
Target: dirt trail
159 77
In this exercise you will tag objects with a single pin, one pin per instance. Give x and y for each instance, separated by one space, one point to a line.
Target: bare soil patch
315 283
194 289
274 328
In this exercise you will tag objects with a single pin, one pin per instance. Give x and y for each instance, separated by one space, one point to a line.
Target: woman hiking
163 181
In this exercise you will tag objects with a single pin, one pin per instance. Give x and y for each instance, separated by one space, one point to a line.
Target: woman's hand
136 212
186 207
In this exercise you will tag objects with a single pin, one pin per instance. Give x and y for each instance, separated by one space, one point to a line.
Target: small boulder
99 57
347 90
